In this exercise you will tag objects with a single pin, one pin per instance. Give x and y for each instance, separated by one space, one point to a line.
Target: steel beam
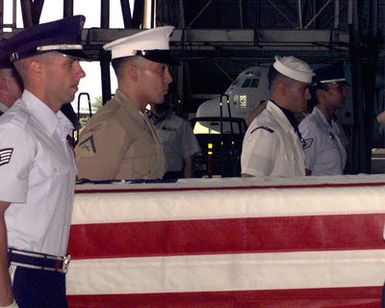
200 13
126 12
317 14
105 14
68 8
37 7
1 18
300 23
26 11
282 13
137 16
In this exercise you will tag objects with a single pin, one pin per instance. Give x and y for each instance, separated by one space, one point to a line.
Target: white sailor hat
152 44
294 68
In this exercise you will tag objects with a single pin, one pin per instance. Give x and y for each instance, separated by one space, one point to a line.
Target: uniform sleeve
100 150
308 133
190 145
259 152
16 160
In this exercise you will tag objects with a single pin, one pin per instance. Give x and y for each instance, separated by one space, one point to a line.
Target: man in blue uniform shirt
10 83
37 167
179 142
325 152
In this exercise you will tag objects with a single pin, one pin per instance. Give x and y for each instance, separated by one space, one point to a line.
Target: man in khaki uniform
119 142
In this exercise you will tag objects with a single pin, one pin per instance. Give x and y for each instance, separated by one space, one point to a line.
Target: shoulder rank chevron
263 127
5 156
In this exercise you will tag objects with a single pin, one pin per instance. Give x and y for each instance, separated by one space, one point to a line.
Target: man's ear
131 70
321 94
35 68
281 86
3 84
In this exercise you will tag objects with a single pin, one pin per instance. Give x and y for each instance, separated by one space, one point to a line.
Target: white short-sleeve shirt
325 152
37 175
3 108
177 139
271 147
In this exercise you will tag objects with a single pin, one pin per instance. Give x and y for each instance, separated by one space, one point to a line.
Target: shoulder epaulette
263 127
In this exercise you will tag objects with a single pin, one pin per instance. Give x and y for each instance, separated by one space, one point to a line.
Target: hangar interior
215 40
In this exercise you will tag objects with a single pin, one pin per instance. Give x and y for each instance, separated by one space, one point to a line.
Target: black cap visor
157 55
325 84
77 54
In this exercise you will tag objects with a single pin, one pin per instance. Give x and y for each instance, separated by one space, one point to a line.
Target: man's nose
168 77
307 94
79 70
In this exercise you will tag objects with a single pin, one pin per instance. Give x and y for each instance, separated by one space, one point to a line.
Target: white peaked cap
294 68
152 39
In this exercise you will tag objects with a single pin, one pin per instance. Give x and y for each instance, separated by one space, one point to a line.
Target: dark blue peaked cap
5 62
64 36
330 73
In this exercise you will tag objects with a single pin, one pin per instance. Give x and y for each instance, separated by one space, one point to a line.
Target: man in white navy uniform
272 145
10 83
119 142
37 167
179 142
325 152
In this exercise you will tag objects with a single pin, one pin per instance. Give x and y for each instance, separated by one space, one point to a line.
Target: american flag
5 156
306 242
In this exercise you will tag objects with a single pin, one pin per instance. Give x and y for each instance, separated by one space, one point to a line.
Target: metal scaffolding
227 31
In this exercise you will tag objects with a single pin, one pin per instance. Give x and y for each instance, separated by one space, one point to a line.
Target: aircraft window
255 83
214 127
206 128
237 82
251 83
247 83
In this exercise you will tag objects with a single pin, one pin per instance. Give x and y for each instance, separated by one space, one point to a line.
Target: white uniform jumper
325 152
37 175
271 147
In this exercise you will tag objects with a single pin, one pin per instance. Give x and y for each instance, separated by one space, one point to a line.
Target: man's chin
159 101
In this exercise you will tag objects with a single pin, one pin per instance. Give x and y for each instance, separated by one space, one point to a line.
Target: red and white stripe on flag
234 243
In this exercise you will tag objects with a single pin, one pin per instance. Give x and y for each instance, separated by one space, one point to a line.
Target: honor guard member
272 145
325 152
37 167
119 142
10 83
179 142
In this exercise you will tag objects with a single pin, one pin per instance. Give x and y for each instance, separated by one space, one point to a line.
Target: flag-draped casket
305 242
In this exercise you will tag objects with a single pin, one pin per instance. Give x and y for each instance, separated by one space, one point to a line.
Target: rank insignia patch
87 147
5 156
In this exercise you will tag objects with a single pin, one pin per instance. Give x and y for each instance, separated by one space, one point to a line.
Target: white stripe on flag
231 272
182 205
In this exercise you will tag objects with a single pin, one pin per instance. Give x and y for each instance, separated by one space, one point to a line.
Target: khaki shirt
119 143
